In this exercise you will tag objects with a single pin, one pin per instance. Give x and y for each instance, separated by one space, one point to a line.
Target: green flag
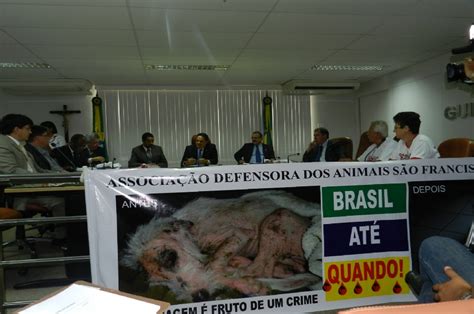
98 123
267 120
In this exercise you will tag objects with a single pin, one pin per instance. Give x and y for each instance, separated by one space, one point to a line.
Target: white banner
260 238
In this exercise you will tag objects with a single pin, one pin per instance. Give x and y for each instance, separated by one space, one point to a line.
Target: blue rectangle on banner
365 237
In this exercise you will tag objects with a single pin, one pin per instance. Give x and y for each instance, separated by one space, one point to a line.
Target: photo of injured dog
258 243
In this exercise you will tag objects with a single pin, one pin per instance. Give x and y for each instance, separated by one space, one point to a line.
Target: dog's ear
182 224
174 225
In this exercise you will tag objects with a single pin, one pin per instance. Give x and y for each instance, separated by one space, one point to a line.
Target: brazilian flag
98 124
267 120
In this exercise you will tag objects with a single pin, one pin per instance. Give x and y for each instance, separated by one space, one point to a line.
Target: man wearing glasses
412 145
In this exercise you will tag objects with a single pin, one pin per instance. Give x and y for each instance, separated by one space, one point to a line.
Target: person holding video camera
446 271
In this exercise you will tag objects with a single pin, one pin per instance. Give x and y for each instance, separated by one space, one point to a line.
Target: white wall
338 114
421 88
37 108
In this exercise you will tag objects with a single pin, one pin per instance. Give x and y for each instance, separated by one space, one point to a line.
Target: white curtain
228 117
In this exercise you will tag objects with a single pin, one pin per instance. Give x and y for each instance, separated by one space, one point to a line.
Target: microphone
291 155
64 155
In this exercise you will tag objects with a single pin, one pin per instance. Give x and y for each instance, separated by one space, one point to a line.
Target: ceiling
265 42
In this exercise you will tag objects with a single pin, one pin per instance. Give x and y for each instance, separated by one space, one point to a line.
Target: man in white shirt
412 145
382 147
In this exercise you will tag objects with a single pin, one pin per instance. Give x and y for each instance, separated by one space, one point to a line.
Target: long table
65 185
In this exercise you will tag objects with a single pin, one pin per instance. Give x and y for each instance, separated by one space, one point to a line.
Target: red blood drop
342 289
357 288
376 286
397 288
326 286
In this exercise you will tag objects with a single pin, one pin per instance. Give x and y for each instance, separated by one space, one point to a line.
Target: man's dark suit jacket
333 153
139 157
38 157
210 152
247 150
99 152
65 159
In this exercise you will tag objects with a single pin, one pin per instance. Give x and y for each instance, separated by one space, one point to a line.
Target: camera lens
414 281
455 72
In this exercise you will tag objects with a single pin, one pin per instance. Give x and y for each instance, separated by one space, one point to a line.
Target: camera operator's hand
453 289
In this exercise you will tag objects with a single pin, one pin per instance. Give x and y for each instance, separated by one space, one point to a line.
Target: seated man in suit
38 147
202 153
14 159
55 140
321 149
96 152
255 152
73 155
147 155
15 131
382 146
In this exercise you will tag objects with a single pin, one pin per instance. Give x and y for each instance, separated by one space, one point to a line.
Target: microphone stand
291 155
65 157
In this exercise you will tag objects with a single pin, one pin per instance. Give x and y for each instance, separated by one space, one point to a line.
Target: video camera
463 71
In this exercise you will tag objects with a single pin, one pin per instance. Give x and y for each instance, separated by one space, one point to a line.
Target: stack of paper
80 298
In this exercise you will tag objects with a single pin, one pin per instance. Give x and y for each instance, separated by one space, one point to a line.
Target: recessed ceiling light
347 67
184 67
25 65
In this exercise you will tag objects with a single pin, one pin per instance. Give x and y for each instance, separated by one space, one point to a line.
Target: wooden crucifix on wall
64 113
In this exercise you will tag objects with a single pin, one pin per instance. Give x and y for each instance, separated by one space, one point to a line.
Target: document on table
88 299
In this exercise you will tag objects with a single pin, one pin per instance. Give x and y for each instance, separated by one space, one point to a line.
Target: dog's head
167 251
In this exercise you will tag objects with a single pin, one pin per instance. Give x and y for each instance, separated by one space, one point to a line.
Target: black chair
344 145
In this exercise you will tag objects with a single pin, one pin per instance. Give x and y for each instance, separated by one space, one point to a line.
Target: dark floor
14 276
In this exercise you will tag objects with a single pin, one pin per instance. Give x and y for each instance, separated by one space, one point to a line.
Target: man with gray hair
382 147
96 152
